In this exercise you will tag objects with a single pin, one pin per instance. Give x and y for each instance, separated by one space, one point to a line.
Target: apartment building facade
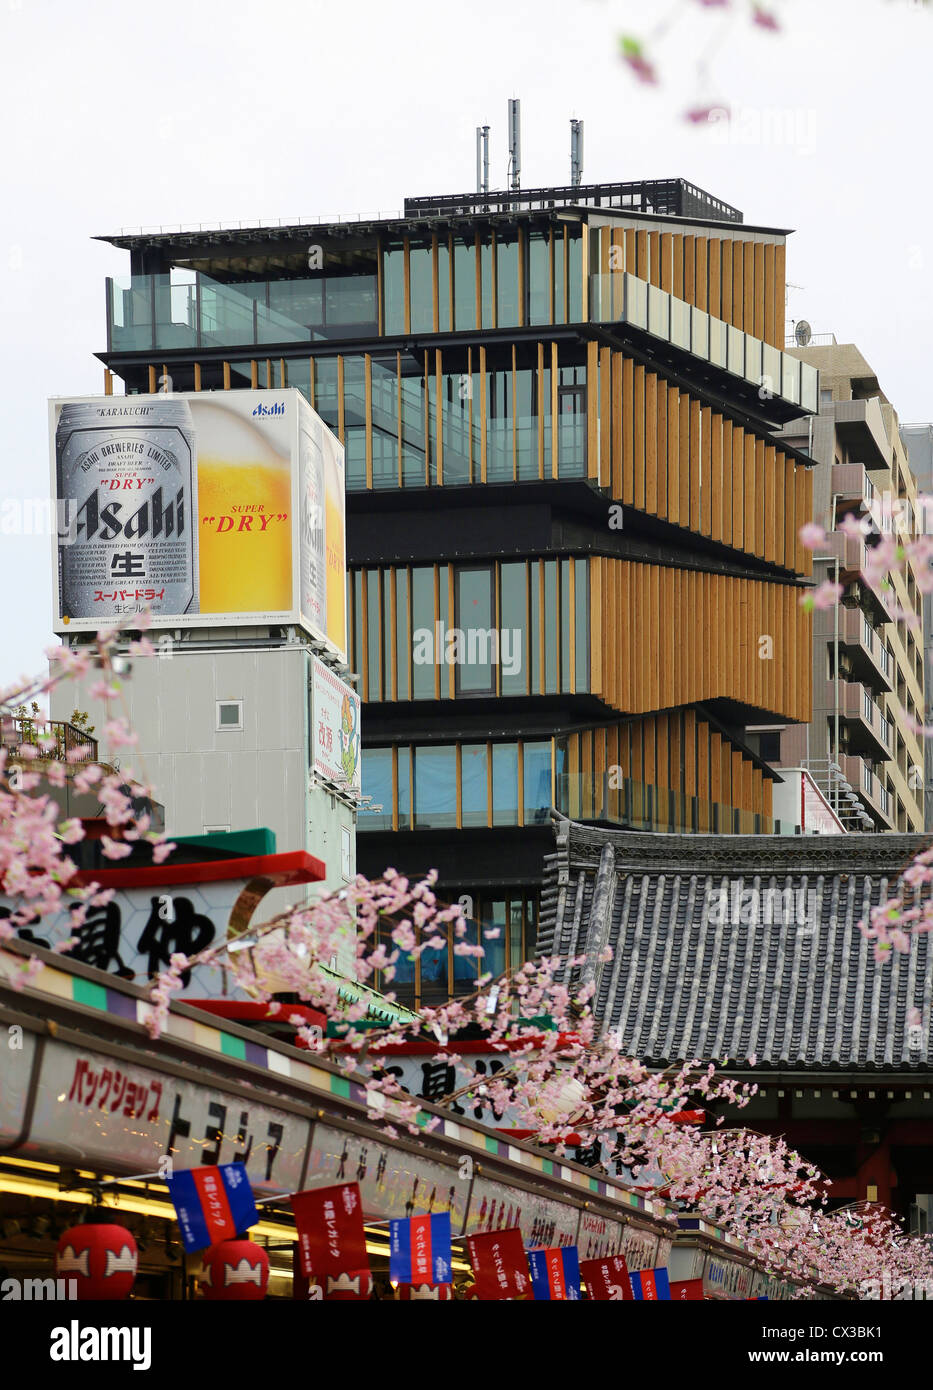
861 745
572 533
918 440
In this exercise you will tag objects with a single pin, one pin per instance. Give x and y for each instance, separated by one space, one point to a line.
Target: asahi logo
154 517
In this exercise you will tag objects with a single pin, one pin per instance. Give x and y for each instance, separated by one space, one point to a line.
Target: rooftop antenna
515 143
576 153
482 160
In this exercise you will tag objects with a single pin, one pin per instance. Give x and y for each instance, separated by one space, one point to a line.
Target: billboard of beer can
213 508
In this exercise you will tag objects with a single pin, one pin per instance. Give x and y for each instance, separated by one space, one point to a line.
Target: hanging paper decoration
440 1293
555 1273
650 1285
607 1279
332 1240
100 1257
688 1290
235 1269
500 1266
213 1204
420 1249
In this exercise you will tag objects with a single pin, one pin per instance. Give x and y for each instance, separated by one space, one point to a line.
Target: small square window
216 830
229 715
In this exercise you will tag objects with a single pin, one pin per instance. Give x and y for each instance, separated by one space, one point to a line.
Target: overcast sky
117 115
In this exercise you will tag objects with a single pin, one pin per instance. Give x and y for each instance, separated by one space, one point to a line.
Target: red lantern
100 1258
441 1293
235 1269
350 1286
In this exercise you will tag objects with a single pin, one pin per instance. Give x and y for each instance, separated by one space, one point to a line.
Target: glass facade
515 628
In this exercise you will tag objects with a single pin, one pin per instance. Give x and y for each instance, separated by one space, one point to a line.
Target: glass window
443 285
550 627
493 937
473 591
349 302
534 589
507 279
376 812
412 423
571 423
526 423
474 773
423 634
466 968
404 788
499 433
581 624
402 636
464 285
537 777
325 390
435 787
421 281
393 288
385 422
487 304
298 374
516 947
456 406
560 261
354 417
576 311
538 278
513 598
505 784
374 635
358 620
565 653
295 311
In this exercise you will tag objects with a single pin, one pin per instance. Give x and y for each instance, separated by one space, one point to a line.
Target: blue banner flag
212 1203
419 1249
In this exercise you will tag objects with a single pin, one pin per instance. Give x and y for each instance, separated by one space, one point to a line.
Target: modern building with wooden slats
575 569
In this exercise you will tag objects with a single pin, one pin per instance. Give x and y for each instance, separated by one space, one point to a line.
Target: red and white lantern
100 1258
350 1286
235 1269
440 1293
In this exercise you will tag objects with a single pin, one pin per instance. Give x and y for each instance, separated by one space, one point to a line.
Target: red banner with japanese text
331 1236
607 1279
500 1266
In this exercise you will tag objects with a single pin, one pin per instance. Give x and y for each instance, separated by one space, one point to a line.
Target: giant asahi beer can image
126 472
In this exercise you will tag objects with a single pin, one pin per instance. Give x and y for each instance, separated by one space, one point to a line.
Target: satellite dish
802 333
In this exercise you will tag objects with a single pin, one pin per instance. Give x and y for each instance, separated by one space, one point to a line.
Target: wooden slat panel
641 243
716 475
769 301
706 470
727 481
695 462
640 433
779 491
690 261
650 503
738 284
592 407
802 515
667 261
780 312
673 455
714 305
759 494
616 425
683 466
701 290
677 256
605 416
738 487
628 431
790 513
770 507
759 329
654 257
749 310
750 494
726 281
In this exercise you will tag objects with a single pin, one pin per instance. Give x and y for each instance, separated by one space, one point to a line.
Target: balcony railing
619 297
54 738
